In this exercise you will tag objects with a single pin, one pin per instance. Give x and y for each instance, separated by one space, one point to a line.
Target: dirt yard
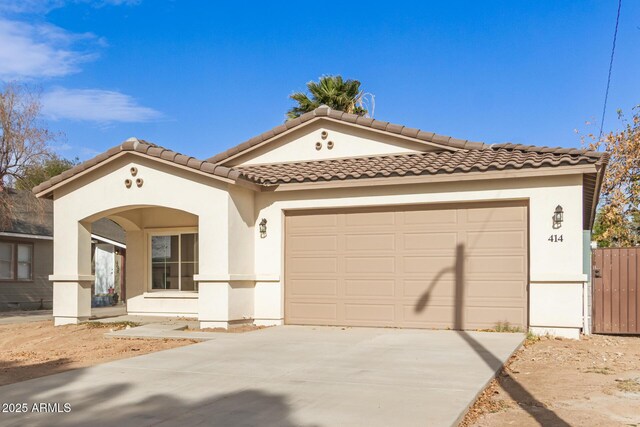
31 350
554 382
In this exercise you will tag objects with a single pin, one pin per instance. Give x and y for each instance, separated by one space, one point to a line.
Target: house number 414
555 238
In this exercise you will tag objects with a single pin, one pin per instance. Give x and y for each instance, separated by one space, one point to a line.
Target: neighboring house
26 253
335 219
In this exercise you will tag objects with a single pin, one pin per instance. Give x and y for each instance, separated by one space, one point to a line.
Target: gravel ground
36 349
554 382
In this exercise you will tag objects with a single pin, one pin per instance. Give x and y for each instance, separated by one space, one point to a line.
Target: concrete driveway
284 376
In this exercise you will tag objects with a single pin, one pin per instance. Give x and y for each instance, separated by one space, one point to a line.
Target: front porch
189 238
162 274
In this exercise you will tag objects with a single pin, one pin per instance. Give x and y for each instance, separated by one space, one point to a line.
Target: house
26 254
336 219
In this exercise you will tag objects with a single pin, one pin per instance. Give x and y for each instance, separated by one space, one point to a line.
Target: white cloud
40 50
102 106
45 6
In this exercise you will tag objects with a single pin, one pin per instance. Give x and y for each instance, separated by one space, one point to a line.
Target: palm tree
333 91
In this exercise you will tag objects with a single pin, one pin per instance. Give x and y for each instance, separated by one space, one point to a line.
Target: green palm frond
333 91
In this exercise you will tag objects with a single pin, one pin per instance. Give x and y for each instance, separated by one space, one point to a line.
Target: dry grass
629 386
31 350
551 381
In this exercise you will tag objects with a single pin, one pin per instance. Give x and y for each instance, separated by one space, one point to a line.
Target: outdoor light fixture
558 217
263 228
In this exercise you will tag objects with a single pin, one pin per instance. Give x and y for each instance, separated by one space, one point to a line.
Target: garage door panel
311 265
434 316
399 267
370 242
378 313
429 241
312 222
500 240
369 288
442 287
429 264
493 217
313 243
434 217
370 265
487 317
313 287
495 289
364 219
313 311
495 265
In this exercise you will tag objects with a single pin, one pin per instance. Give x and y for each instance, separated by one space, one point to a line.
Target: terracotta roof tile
324 111
147 149
430 163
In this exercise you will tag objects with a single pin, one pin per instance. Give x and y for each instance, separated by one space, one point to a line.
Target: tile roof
391 128
430 163
467 156
149 149
31 216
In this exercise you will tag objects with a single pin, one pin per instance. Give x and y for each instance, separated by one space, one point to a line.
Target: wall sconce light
263 228
558 217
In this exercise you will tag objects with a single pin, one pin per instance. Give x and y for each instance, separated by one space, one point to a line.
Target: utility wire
613 49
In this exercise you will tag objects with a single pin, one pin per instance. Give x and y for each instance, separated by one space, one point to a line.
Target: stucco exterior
241 271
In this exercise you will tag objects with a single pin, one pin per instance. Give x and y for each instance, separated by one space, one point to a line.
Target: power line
613 49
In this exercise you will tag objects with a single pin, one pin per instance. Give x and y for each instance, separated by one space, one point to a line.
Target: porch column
213 279
71 277
213 302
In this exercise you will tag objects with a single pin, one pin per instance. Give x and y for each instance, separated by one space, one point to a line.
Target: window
16 261
174 261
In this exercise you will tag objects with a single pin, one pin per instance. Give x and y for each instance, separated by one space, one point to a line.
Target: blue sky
200 77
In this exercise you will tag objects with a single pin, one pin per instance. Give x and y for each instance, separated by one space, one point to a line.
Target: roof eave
431 178
601 168
408 134
233 177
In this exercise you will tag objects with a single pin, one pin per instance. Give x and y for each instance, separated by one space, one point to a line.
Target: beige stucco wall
550 263
348 141
241 274
103 193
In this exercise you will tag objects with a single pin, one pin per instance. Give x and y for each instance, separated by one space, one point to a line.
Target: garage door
446 266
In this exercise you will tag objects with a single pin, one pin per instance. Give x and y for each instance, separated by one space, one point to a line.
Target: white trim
167 231
161 293
72 277
109 241
558 278
236 277
159 231
25 236
426 179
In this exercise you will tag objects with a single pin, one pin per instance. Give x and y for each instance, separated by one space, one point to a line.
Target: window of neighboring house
16 261
174 261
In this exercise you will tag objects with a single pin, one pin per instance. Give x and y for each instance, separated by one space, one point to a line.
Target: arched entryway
163 250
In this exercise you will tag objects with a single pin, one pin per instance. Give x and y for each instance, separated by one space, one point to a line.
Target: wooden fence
616 290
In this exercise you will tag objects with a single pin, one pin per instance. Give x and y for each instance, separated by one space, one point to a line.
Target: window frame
169 232
14 265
